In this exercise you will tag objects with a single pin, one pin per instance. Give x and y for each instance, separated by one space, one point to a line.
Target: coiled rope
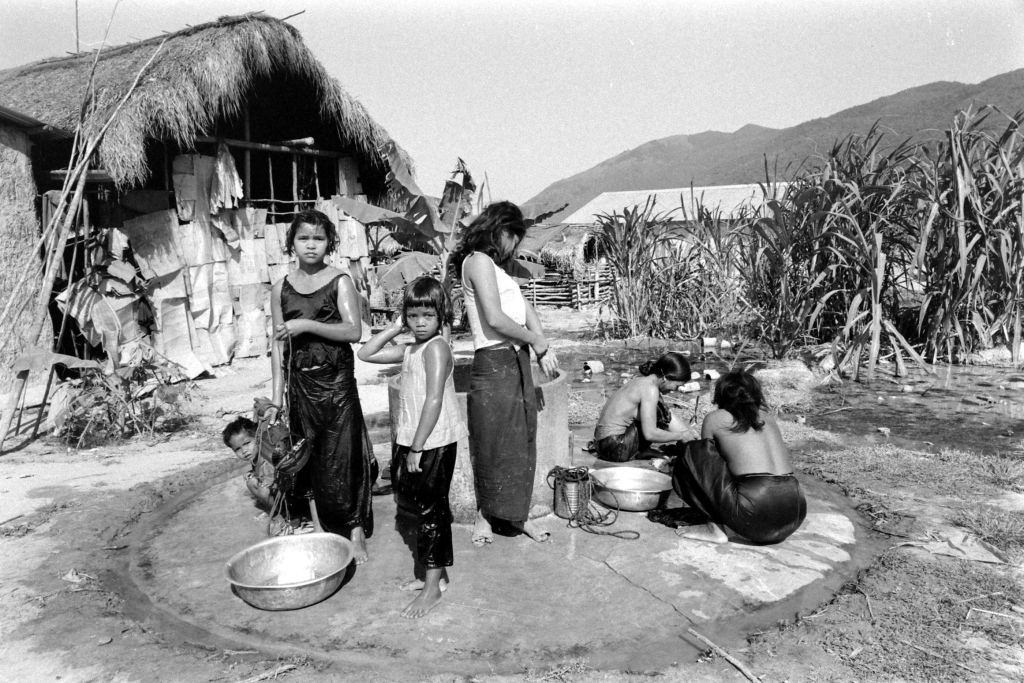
573 491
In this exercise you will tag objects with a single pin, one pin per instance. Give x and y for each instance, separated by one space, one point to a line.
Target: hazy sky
533 91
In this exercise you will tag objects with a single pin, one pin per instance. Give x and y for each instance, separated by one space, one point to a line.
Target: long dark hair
428 292
485 232
671 366
740 394
317 219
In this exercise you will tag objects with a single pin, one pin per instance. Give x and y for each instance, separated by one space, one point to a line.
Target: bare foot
359 541
710 532
417 584
482 534
534 531
423 603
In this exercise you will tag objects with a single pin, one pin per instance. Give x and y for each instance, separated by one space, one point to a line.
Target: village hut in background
233 127
579 273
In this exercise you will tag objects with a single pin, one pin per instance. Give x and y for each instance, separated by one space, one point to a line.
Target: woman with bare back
739 474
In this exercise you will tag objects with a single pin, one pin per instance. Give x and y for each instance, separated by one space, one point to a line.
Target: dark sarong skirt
325 408
763 508
502 407
630 444
424 495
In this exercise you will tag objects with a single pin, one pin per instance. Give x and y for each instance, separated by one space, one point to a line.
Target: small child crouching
429 427
240 437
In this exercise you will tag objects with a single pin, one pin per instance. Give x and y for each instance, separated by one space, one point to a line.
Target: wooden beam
91 176
266 147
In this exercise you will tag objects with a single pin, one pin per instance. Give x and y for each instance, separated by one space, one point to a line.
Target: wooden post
270 174
247 155
295 179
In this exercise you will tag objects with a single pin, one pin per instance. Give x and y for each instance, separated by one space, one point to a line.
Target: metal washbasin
290 572
634 489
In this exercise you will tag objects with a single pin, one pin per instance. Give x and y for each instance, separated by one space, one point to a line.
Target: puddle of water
621 363
965 407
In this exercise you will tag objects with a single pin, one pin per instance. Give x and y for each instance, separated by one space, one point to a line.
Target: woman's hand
291 328
270 413
546 358
548 362
412 461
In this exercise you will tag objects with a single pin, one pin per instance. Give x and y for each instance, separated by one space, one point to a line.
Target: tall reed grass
883 250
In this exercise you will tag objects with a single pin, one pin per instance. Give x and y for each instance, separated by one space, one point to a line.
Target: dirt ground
66 519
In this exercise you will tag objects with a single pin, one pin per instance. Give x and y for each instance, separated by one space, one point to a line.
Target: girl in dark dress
316 317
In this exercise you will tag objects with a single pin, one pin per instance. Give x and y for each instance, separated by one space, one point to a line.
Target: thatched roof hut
247 74
569 248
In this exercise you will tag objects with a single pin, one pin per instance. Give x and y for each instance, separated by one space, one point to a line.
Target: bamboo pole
60 335
82 150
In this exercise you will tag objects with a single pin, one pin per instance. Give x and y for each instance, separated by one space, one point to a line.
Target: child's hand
396 326
291 328
412 461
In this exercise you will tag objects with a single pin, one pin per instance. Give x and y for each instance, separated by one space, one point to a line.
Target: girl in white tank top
427 432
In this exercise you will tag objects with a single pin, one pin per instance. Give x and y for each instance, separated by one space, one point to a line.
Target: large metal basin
633 489
290 572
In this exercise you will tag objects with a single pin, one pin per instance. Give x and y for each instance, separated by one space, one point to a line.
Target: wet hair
485 232
427 292
238 426
317 219
671 366
740 394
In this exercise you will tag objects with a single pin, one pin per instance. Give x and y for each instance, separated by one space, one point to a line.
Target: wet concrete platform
620 604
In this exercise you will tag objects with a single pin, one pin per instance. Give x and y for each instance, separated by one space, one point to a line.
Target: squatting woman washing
739 474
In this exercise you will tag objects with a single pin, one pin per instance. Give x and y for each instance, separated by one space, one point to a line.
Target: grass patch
907 618
950 472
1006 473
1002 528
574 670
582 411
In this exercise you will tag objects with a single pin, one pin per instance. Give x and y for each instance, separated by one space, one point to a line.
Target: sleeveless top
450 426
309 350
512 304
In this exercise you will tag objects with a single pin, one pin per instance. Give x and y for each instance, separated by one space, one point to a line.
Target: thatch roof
565 248
202 74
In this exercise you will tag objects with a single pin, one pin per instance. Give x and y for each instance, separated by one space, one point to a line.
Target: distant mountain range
714 158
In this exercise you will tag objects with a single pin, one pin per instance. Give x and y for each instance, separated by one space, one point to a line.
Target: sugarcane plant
631 241
971 252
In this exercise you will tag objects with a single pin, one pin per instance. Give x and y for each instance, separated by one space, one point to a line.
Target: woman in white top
502 403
